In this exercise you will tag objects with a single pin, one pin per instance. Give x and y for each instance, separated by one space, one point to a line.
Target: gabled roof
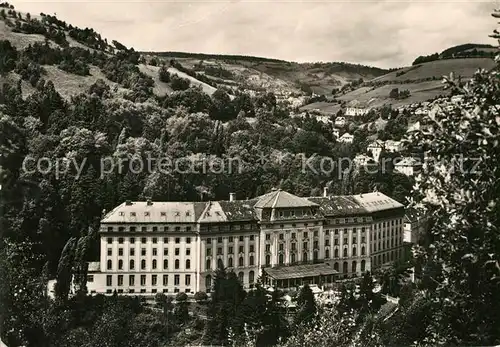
279 199
346 135
408 161
376 143
155 212
239 210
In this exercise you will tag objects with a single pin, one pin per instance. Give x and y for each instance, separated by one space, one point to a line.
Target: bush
181 297
179 83
163 74
200 296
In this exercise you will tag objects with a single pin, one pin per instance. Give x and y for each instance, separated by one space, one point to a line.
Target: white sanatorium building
150 247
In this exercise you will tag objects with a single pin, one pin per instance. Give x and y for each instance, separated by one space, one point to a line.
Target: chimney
232 196
325 192
103 212
128 202
149 202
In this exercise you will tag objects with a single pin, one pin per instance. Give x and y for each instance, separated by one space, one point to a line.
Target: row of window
154 280
154 240
133 229
154 264
230 239
230 249
154 251
220 263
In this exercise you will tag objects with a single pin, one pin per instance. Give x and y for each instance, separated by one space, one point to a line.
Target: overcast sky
379 33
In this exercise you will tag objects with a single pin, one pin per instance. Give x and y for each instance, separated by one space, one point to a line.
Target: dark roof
338 206
300 271
239 210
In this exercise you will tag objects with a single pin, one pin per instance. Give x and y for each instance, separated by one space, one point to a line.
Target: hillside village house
415 226
346 138
375 148
356 111
408 166
150 247
393 146
340 121
362 160
323 119
336 132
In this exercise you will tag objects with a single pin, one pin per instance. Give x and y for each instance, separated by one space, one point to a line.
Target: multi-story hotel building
151 247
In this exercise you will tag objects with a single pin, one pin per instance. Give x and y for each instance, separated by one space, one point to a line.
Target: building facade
170 247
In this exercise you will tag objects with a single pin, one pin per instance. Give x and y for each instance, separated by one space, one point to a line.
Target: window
209 240
155 240
336 266
280 259
208 265
252 237
268 237
110 264
281 247
176 263
363 265
143 264
315 245
165 280
177 280
268 260
177 240
120 240
188 251
90 278
251 277
177 251
132 252
110 228
109 280
293 235
230 262
219 240
293 258
345 268
188 264
120 280
240 261
240 277
354 240
131 264
241 238
230 249
241 249
354 266
304 256
132 240
362 250
304 245
282 236
315 233
131 280
165 263
188 240
155 229
208 282
231 239
143 240
120 264
252 248
110 252
165 239
345 252
336 253
155 252
154 280
209 252
219 250
154 264
305 234
143 280
268 248
165 251
188 280
143 252
251 260
327 253
354 251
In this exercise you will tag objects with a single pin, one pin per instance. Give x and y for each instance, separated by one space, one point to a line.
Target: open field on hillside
160 88
323 107
19 40
69 84
205 87
460 67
